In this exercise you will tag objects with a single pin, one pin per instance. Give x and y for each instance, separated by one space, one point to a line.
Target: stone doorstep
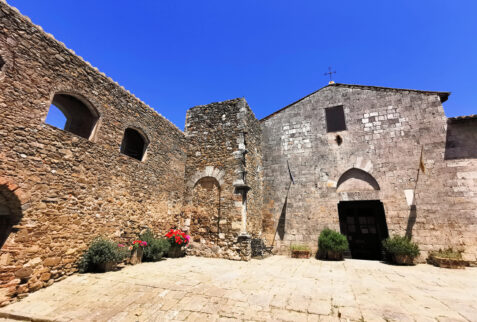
19 317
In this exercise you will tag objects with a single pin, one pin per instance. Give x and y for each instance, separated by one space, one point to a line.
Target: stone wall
223 141
461 167
386 131
228 179
60 190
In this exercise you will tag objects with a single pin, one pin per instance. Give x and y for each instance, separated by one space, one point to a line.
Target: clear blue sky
178 54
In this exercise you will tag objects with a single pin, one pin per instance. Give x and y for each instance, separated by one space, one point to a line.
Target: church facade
367 161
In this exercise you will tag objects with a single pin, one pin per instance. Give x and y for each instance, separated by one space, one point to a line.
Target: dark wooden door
364 225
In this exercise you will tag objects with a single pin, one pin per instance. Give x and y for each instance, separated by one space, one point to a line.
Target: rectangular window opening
335 119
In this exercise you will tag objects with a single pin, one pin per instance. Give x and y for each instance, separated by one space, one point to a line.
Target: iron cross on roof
330 72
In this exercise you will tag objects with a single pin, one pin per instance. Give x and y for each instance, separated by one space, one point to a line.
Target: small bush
448 253
300 248
331 240
156 247
401 246
101 251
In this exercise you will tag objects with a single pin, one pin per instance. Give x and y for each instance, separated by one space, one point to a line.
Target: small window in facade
73 115
2 62
134 144
335 119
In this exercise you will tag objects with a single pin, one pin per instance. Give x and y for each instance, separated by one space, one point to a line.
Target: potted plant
300 251
137 250
448 258
402 249
332 245
177 239
101 256
156 247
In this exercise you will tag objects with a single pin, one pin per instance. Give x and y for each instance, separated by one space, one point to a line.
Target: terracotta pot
300 254
104 267
443 262
403 259
334 256
136 256
175 251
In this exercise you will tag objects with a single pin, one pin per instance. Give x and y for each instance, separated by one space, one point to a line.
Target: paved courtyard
276 288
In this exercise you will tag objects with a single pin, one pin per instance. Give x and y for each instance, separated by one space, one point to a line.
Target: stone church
367 161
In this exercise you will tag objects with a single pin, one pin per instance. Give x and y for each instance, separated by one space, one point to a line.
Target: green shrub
401 246
156 247
101 251
299 248
331 240
448 253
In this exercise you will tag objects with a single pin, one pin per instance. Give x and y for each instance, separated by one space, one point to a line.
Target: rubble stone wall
226 180
217 134
65 189
386 132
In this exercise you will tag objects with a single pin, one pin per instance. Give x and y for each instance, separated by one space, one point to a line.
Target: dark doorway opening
364 225
10 212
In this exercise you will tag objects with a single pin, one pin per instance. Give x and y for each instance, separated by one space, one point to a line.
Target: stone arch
134 143
355 180
359 163
209 171
82 116
10 208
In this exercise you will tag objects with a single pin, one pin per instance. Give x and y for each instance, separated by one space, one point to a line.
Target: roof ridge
443 95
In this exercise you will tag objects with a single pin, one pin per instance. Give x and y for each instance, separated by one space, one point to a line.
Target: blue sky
178 54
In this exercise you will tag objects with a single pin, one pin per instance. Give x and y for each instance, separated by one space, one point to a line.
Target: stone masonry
67 189
225 180
386 131
224 148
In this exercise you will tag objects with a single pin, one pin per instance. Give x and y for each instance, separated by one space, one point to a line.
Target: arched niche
356 180
80 116
205 209
134 143
10 212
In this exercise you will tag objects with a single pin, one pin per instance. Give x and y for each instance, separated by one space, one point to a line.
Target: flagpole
421 166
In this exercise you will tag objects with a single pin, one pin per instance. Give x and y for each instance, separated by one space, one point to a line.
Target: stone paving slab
274 289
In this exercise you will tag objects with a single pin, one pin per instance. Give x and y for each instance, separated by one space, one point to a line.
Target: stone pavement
276 288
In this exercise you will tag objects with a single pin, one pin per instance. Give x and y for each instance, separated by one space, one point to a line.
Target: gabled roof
442 95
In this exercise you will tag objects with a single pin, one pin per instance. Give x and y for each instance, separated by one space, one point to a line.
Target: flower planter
443 262
403 259
104 267
334 256
136 256
300 254
175 251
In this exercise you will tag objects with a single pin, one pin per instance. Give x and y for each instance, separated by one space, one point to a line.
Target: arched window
73 114
134 144
10 212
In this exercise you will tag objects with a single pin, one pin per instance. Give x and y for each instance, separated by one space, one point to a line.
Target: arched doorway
205 221
363 222
10 212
